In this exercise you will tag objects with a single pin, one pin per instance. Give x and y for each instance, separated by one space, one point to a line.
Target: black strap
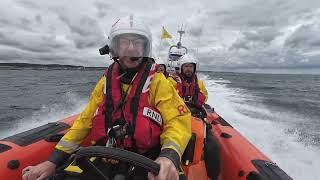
183 86
108 101
135 100
183 90
196 90
122 99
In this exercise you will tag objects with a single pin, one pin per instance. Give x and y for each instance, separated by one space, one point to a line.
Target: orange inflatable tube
30 147
237 157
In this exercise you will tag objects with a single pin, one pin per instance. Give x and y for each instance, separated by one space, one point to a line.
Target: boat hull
237 158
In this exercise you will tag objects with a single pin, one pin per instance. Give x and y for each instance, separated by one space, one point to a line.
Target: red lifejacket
187 89
144 121
192 89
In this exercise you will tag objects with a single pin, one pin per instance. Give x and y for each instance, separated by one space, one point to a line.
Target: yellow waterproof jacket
200 83
163 96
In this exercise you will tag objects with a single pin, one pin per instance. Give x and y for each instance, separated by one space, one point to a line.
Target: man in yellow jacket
133 92
189 87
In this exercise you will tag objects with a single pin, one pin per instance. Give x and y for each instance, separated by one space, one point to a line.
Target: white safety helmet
187 58
161 61
175 54
129 25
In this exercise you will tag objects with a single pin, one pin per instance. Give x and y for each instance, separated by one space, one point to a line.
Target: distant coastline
28 66
48 67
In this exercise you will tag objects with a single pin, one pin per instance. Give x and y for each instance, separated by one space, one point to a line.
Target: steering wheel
84 154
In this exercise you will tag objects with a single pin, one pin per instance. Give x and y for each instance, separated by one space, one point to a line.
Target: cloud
306 37
258 39
84 31
223 33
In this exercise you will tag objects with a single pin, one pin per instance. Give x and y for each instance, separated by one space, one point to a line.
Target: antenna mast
181 32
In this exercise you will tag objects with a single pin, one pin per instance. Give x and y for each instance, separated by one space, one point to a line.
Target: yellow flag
165 34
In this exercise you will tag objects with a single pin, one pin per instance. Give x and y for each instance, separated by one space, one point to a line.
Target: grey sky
224 34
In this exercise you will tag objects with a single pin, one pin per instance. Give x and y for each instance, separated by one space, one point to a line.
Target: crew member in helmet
189 87
134 97
193 91
161 68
